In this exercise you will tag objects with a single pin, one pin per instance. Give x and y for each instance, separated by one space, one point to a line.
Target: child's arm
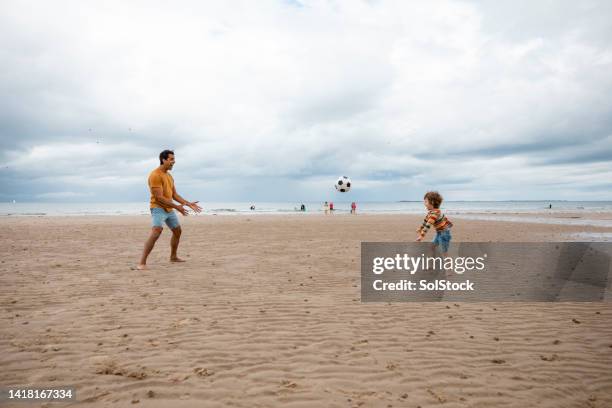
428 222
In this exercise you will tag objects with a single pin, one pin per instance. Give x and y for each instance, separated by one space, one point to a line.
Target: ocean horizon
312 207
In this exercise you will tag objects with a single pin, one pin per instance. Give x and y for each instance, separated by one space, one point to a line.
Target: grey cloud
599 151
549 145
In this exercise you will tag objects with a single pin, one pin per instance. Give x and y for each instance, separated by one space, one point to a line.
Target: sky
274 100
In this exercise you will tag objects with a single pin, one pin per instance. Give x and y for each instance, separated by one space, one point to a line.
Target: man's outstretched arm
193 205
159 197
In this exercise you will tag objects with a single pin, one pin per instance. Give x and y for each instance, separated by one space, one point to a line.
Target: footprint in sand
441 399
553 357
107 366
391 366
288 384
202 372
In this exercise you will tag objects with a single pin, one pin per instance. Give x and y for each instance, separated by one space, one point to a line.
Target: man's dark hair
164 155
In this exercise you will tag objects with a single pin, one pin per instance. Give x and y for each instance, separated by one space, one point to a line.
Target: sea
240 208
578 213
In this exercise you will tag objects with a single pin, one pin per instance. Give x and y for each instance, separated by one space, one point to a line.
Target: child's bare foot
177 259
142 267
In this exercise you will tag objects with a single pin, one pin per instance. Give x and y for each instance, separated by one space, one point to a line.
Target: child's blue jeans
443 239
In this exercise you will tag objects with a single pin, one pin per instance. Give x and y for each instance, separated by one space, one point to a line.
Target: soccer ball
343 184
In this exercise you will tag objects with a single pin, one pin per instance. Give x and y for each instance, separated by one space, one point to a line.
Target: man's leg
148 247
174 243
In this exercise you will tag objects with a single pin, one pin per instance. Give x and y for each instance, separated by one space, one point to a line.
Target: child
438 220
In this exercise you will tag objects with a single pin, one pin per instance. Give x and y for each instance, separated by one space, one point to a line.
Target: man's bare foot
177 259
142 267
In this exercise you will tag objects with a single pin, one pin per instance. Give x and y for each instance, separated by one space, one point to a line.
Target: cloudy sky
273 100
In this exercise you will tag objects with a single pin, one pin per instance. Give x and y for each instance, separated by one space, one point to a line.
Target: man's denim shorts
443 239
159 216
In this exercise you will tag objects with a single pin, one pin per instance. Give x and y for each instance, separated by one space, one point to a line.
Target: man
163 195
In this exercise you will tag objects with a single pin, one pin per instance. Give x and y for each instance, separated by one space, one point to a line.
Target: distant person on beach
302 207
353 208
549 206
326 208
163 195
331 207
438 220
252 208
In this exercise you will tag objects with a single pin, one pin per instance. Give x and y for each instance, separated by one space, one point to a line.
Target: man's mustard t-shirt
158 178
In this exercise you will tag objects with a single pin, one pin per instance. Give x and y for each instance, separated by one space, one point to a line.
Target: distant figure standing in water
326 208
302 207
353 208
331 207
549 206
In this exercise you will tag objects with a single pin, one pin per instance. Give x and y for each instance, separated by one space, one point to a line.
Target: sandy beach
267 312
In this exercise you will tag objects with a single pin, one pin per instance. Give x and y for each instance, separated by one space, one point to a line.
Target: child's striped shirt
436 219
